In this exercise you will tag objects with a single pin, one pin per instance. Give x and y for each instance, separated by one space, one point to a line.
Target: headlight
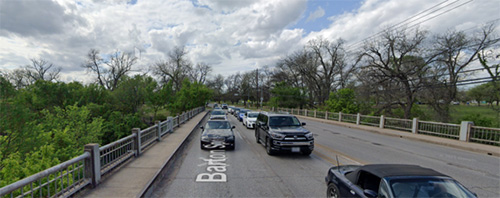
204 138
278 136
309 135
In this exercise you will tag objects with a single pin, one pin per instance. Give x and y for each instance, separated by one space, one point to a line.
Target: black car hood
289 129
218 133
344 168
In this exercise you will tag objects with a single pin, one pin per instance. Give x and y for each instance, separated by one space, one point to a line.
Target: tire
306 152
231 148
268 147
257 137
332 191
201 146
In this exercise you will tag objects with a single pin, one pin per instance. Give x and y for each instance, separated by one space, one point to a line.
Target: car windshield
218 113
277 121
428 187
243 111
253 115
217 125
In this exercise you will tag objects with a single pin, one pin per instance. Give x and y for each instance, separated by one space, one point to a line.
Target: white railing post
326 115
305 114
158 131
93 164
315 113
137 141
382 122
340 116
414 126
358 119
465 128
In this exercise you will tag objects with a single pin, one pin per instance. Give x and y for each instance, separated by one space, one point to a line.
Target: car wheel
268 147
257 137
306 152
332 191
201 146
231 148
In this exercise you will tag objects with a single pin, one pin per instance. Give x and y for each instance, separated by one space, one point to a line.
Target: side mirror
369 193
303 124
201 127
233 127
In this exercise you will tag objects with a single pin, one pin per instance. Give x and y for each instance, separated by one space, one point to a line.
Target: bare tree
455 51
41 69
175 69
217 85
395 66
18 77
200 72
119 65
109 73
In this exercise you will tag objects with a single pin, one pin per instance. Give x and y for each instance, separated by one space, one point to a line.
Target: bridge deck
129 180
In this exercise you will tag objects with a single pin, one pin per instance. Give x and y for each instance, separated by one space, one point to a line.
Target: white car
249 119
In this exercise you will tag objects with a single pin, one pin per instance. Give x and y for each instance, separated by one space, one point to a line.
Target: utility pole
257 81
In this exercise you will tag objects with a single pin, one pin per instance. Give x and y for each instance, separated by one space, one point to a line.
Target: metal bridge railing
465 131
67 178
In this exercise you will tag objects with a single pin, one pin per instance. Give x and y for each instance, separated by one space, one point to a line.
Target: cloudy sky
230 35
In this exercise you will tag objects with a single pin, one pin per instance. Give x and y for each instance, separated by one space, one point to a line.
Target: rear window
217 125
218 113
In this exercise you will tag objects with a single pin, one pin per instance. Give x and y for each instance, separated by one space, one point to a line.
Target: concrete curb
469 146
159 175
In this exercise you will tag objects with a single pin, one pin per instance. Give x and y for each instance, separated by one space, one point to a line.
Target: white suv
249 119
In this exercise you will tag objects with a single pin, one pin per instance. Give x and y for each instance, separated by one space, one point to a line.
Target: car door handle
352 192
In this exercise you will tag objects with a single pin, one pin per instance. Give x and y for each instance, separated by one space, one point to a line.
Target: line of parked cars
279 132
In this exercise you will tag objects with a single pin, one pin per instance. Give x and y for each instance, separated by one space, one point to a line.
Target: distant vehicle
218 114
249 119
455 103
241 113
235 110
283 132
224 106
217 134
391 180
215 105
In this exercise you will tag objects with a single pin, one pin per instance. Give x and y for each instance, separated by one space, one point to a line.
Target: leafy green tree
160 98
343 100
6 89
131 93
478 93
190 96
287 96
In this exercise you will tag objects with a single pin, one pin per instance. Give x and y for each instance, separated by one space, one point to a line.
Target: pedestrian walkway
132 178
469 146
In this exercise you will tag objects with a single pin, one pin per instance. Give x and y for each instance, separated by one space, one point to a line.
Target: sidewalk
132 178
469 146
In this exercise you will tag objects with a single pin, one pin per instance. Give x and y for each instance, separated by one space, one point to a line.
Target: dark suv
283 132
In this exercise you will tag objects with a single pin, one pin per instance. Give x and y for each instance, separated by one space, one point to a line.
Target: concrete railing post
314 112
305 114
465 128
158 130
358 119
93 164
340 116
137 141
382 122
414 126
272 108
326 115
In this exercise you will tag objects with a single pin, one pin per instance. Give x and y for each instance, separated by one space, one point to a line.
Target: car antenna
337 158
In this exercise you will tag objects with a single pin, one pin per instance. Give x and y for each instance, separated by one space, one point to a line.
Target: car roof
390 170
276 114
217 121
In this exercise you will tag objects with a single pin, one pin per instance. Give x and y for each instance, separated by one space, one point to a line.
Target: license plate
295 149
217 143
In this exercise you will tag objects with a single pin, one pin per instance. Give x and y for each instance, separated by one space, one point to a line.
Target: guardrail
465 131
86 170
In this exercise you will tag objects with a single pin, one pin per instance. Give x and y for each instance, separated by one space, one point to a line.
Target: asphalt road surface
249 172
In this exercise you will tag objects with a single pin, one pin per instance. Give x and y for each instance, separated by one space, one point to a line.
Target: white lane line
238 134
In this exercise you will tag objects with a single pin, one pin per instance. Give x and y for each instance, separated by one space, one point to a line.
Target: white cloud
231 35
316 14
